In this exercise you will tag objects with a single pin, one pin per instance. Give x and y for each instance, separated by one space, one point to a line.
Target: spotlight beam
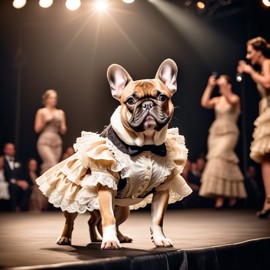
201 38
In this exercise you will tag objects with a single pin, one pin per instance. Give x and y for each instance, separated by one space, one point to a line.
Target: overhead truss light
266 3
73 4
128 1
101 5
19 3
200 5
45 3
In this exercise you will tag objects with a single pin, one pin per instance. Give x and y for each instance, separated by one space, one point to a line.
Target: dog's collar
132 150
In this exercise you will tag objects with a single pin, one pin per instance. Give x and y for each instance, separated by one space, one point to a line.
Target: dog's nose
147 105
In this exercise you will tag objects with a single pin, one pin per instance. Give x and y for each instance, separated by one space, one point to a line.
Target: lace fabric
260 145
72 184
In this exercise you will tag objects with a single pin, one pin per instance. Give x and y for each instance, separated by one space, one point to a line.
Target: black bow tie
132 150
159 150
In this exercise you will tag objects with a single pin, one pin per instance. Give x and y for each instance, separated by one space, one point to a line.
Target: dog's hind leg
65 238
95 228
121 214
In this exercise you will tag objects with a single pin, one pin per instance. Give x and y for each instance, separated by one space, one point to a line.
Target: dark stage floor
207 236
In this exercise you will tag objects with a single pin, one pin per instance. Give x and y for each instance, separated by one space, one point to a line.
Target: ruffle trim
222 169
177 152
260 146
178 189
227 157
212 187
86 202
70 187
82 200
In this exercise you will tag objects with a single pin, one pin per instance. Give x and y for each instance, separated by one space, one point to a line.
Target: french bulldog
138 134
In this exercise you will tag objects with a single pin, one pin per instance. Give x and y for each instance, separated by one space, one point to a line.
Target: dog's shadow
93 252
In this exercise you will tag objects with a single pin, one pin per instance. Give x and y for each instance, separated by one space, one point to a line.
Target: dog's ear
167 73
118 78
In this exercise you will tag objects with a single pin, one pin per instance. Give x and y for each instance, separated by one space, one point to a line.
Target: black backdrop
71 51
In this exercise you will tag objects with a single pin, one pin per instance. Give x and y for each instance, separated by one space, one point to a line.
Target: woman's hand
243 67
212 81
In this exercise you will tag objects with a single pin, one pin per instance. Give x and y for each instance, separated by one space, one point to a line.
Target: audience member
254 188
68 152
4 193
186 169
19 189
38 202
194 177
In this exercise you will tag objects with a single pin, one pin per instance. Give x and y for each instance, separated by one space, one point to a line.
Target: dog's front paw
159 238
110 240
63 241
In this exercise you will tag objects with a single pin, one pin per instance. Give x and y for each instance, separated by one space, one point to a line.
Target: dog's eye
130 101
162 98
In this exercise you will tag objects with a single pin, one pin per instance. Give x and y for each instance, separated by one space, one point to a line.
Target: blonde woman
258 53
50 124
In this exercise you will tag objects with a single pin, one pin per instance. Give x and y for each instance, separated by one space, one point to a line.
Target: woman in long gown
222 178
50 124
258 53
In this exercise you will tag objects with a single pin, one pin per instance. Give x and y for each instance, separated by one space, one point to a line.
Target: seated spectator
201 161
186 170
194 200
19 189
194 177
38 202
68 152
254 188
4 193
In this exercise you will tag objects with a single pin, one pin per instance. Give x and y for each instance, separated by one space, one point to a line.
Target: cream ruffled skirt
260 146
222 175
72 184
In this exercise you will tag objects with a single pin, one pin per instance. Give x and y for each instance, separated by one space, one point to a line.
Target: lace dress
222 175
72 184
261 134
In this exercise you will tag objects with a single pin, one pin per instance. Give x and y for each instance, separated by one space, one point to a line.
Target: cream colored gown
72 184
261 134
222 175
49 144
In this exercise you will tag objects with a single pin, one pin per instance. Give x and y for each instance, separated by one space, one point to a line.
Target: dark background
71 51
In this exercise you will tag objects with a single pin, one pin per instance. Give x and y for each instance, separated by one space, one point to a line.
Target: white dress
72 184
260 146
222 175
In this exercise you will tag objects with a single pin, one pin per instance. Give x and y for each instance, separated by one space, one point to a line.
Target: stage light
128 1
266 3
101 5
73 4
19 3
200 5
188 3
45 3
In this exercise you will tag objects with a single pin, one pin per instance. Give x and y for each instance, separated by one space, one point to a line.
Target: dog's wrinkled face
145 104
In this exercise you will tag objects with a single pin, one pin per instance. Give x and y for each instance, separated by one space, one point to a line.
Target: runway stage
203 239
